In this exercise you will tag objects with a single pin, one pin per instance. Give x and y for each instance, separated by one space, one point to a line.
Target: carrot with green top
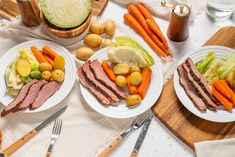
131 21
108 70
146 78
52 54
132 89
38 54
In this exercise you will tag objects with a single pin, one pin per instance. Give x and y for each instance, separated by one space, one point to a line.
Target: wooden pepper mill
178 29
30 12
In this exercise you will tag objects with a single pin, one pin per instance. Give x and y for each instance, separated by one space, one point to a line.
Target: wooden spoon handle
111 147
134 153
49 154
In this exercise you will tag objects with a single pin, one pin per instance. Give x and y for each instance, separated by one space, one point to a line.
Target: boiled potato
58 75
23 67
109 27
45 67
133 100
121 69
231 79
106 42
97 28
121 81
134 69
84 53
59 62
46 75
135 78
93 40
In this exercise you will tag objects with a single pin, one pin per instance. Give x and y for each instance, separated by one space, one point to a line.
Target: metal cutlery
54 136
137 123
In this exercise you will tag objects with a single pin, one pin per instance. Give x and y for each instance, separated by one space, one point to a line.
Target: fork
55 135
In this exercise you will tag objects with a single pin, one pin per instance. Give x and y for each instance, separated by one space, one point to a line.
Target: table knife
8 151
141 137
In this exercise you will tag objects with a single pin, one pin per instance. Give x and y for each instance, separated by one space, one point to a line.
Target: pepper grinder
178 29
30 12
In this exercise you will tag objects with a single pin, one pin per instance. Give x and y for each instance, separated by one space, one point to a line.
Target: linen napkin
216 148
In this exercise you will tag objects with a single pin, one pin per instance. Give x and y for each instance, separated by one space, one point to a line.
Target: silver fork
55 135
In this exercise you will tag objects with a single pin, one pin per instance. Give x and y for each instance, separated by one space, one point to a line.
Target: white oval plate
67 85
197 55
121 110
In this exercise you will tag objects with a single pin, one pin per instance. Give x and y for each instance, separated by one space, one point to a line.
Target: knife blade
13 147
141 137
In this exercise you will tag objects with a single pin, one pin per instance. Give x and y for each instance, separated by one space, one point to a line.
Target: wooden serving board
9 8
185 125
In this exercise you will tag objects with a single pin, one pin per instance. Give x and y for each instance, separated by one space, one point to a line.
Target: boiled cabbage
204 64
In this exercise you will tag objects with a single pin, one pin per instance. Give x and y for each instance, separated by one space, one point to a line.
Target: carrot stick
132 89
140 18
49 60
52 54
146 77
38 54
130 20
108 70
223 100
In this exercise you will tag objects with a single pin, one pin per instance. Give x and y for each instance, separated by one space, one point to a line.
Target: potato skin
134 69
46 75
93 40
110 27
58 75
133 100
135 78
121 69
84 53
121 81
45 67
97 28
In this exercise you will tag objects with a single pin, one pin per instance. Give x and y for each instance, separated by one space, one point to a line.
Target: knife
8 151
141 137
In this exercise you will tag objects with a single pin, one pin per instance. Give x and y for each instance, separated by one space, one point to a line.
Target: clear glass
220 9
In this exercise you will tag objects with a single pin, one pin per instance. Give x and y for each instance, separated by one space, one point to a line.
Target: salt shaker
178 29
30 12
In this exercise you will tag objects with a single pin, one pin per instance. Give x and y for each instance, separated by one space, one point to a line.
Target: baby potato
97 28
45 67
109 27
93 40
121 69
46 75
135 78
134 69
58 75
84 53
121 81
106 42
133 100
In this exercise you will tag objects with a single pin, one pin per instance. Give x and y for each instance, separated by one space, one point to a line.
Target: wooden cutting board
9 8
186 126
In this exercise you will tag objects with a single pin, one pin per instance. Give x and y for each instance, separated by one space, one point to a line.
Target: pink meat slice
32 94
13 106
102 77
89 74
189 89
96 92
46 91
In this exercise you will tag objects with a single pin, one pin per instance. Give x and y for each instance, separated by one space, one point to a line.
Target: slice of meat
201 80
96 92
209 103
46 91
89 74
32 94
189 89
13 106
102 77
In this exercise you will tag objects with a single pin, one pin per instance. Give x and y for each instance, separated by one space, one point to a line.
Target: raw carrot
108 70
131 21
140 18
49 60
132 89
146 77
223 100
38 54
52 54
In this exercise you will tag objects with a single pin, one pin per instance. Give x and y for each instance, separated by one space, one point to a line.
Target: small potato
133 100
93 40
109 27
84 53
46 75
106 42
134 69
135 78
121 81
58 75
45 67
97 28
121 69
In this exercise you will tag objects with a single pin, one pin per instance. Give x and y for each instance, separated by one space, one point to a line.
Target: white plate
67 85
121 110
197 55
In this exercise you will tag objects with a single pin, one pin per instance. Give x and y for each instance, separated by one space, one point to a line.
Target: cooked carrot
146 77
108 70
132 89
38 54
49 60
140 18
222 99
52 54
131 21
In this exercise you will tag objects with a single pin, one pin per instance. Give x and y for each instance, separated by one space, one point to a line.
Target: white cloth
216 148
